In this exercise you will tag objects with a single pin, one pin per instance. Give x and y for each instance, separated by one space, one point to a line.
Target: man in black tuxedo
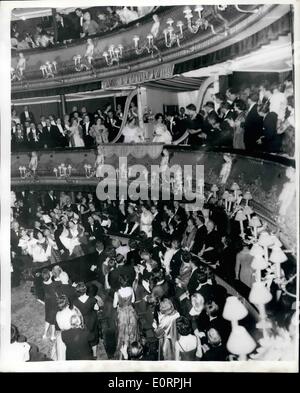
95 261
253 124
50 135
200 234
34 137
86 127
78 23
174 125
94 229
156 223
60 227
121 269
26 115
50 201
180 211
113 125
209 107
231 96
226 111
176 261
64 28
194 126
133 256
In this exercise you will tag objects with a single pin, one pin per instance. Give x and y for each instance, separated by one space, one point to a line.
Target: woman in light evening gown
127 319
75 134
146 220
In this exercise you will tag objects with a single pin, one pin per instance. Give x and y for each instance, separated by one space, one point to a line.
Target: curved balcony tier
231 28
269 178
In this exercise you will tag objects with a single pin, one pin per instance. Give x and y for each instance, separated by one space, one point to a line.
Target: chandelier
113 55
170 36
148 46
49 69
200 22
196 21
82 63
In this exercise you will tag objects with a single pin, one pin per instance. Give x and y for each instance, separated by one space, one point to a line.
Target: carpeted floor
28 315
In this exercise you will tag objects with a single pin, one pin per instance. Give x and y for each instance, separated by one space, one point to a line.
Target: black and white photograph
149 186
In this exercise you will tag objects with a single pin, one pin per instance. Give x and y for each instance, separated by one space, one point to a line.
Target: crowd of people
260 118
81 23
152 298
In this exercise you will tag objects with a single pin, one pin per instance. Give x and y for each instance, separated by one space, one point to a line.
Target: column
63 108
54 23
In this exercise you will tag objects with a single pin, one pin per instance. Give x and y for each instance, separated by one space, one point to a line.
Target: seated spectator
89 27
42 38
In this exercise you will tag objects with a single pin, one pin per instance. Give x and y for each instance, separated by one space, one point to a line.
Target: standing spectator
88 306
50 303
76 134
26 115
243 269
127 322
239 125
270 140
64 28
86 128
78 23
253 124
77 340
160 131
194 126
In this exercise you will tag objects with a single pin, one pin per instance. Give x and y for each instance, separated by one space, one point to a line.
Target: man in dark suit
176 261
200 234
95 261
133 256
121 269
156 223
26 115
113 125
86 127
50 135
179 211
174 125
34 137
78 23
93 229
253 124
50 201
64 28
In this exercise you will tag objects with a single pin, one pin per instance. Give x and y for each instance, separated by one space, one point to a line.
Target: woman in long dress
50 303
127 320
75 134
99 132
189 234
146 220
165 329
132 133
160 131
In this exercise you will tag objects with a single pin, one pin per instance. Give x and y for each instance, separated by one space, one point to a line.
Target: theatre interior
99 274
